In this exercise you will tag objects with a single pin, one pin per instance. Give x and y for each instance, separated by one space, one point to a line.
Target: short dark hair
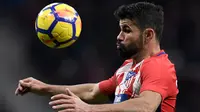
145 15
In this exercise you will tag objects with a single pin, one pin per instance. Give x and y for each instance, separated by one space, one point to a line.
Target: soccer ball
58 25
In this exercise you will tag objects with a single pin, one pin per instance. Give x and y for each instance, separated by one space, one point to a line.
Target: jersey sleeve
108 86
154 78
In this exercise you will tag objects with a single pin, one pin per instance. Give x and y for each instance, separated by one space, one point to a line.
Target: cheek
127 41
131 39
140 42
136 42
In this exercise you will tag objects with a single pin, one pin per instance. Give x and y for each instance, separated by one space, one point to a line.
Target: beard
127 52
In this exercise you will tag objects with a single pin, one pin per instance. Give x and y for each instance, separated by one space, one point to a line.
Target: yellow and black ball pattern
58 25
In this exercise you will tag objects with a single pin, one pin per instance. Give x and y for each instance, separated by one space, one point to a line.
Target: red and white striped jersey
156 74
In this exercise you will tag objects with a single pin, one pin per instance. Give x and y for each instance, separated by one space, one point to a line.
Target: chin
125 55
127 52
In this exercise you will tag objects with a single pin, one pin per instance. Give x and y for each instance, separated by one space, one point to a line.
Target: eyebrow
125 26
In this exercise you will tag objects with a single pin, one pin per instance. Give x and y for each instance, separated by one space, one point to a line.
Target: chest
128 82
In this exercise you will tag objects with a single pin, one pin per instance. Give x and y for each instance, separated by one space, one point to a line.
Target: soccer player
146 81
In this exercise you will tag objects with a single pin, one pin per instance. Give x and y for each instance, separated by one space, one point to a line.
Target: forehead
127 22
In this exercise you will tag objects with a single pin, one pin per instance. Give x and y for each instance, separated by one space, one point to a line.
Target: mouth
118 45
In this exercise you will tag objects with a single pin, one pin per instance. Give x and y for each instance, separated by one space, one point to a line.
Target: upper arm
94 95
108 86
103 89
96 90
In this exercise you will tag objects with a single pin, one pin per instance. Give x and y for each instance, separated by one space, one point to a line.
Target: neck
146 53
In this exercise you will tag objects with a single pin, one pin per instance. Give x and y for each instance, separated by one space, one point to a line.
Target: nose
120 37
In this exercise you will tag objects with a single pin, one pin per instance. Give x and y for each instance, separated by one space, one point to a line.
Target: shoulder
157 62
158 74
158 66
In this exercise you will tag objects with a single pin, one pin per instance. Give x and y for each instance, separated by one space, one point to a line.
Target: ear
148 35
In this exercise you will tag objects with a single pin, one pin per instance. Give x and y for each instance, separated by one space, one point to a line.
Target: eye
126 29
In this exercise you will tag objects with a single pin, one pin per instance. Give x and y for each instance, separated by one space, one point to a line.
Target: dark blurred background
93 57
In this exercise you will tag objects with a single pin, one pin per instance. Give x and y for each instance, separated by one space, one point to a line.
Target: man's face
129 40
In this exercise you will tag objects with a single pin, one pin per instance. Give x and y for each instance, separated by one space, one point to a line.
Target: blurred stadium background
93 57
